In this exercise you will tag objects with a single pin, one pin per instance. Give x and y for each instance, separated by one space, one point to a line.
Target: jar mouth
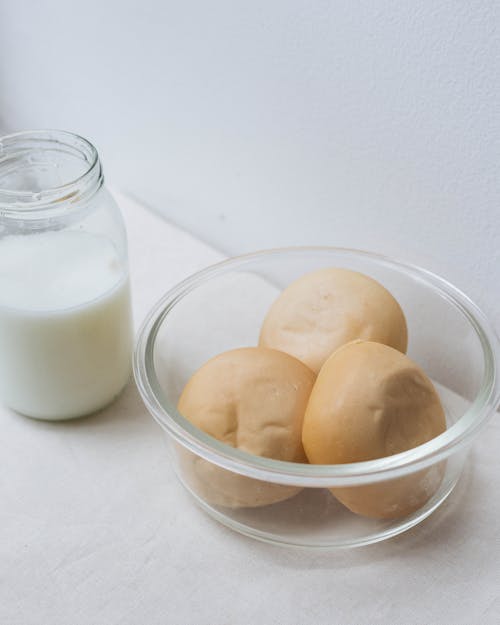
165 412
45 172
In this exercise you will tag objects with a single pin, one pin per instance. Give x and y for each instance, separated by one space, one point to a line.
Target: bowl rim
317 475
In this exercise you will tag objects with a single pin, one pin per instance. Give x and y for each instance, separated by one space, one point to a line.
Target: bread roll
323 310
252 399
371 401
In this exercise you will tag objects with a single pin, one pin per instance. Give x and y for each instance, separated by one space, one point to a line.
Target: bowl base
315 520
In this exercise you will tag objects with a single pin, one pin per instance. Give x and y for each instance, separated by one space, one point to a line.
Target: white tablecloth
95 530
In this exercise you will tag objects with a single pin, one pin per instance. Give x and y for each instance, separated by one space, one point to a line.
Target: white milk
65 323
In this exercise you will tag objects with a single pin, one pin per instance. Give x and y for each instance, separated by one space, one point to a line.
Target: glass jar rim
439 448
30 204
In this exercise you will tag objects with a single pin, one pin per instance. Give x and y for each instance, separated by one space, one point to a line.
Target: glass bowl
222 307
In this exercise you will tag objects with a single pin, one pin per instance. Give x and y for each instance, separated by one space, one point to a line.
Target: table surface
95 529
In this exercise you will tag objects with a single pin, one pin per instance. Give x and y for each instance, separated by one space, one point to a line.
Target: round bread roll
323 310
371 401
252 399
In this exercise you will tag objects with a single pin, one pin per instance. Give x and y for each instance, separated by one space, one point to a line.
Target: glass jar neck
46 174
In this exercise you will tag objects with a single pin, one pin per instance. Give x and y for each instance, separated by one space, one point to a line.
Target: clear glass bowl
222 307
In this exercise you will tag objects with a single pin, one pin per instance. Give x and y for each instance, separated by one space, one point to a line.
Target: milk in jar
65 313
64 340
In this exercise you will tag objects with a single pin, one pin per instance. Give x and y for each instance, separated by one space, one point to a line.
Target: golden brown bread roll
325 309
371 401
252 399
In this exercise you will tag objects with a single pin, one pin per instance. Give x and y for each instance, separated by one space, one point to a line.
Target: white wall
264 123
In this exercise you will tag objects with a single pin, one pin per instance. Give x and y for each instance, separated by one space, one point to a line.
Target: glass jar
65 314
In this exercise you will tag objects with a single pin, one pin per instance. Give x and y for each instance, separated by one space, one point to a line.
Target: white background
255 124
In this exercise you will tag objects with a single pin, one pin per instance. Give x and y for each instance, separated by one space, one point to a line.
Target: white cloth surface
95 529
